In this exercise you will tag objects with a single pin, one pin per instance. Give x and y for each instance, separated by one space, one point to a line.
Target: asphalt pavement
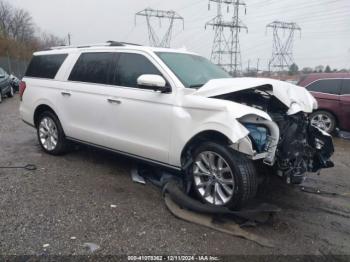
85 202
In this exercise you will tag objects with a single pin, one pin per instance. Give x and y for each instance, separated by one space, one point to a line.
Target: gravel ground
67 202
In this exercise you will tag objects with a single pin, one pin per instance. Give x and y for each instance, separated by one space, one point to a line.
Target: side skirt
145 160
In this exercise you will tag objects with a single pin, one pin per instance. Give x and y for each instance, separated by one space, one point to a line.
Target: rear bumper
26 115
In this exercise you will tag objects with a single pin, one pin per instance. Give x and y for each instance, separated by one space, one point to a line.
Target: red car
332 92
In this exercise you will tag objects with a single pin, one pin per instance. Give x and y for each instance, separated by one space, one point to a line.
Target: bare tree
22 26
6 14
19 36
48 40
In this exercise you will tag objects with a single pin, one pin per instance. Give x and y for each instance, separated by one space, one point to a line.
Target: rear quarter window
45 66
327 86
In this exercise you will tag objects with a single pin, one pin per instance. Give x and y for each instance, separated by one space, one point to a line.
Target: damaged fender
199 114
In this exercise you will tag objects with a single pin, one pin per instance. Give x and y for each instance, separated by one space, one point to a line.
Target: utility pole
8 62
154 39
248 66
226 51
257 67
69 39
282 53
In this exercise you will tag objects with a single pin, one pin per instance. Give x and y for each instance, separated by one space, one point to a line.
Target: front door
141 119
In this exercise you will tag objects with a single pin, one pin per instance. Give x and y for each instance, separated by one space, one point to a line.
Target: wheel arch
207 135
41 109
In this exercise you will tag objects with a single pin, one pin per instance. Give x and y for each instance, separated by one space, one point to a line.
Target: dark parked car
15 82
6 88
332 92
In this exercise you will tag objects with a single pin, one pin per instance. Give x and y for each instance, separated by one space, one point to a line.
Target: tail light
22 88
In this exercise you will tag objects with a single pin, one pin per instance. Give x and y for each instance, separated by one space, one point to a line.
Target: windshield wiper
196 86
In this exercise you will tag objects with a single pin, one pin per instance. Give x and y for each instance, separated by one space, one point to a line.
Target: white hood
294 97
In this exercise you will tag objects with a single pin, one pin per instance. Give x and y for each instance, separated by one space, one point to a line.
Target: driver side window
131 67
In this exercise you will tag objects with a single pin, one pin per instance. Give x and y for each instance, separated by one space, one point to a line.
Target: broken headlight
259 136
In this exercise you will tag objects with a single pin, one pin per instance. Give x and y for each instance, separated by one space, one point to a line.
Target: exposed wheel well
39 110
210 135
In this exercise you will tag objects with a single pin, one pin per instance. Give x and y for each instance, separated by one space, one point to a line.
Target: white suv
174 109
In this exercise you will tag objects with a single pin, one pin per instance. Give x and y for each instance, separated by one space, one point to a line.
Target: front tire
222 176
323 120
50 134
11 93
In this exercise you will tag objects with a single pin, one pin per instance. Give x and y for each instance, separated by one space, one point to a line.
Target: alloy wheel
213 178
48 134
322 121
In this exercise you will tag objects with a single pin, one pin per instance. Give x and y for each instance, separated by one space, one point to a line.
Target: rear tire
222 176
50 134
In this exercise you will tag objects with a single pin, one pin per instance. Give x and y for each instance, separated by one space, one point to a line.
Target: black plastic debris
173 186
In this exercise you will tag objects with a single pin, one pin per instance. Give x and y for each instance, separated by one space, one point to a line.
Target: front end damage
302 148
287 142
290 144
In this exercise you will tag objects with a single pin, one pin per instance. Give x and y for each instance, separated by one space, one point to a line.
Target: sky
324 40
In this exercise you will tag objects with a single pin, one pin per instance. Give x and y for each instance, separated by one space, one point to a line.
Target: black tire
327 115
62 143
244 173
11 92
1 97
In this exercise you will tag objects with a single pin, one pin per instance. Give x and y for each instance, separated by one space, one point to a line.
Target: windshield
192 70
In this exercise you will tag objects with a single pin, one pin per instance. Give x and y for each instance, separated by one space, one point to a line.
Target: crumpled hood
295 97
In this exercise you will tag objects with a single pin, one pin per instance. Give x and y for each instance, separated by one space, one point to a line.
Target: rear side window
95 68
45 66
346 87
131 67
328 86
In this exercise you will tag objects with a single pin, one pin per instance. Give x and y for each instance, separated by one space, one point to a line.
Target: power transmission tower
226 51
282 54
154 39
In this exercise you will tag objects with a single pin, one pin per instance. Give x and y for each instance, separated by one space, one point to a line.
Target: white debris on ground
91 247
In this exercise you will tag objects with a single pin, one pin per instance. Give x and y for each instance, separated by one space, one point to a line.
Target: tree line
19 35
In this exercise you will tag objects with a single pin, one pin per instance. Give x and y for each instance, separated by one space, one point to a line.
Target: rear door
344 120
85 97
327 93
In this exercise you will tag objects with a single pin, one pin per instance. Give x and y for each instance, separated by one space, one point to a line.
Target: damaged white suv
174 109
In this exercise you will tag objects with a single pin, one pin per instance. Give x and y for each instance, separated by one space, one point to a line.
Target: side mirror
153 82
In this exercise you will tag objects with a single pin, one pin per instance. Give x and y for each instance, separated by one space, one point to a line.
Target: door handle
66 94
114 101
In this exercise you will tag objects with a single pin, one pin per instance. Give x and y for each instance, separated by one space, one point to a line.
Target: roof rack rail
108 43
117 43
